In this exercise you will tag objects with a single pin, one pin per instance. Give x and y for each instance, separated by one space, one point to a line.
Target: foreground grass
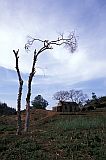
69 137
81 122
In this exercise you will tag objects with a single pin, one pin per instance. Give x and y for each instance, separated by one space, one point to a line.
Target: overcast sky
58 69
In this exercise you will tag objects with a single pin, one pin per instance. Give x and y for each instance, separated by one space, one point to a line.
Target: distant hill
5 110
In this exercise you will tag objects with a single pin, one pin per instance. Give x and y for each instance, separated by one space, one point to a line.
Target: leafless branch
69 42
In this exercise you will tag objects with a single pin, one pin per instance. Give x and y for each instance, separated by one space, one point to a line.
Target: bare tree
72 95
77 96
61 96
19 127
70 42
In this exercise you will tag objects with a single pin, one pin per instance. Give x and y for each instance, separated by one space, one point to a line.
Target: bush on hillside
5 110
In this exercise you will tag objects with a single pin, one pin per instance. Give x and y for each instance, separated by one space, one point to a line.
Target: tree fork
19 123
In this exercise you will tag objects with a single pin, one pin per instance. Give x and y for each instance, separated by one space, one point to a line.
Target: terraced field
55 136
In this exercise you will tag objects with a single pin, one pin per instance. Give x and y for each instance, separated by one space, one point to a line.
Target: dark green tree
94 97
39 102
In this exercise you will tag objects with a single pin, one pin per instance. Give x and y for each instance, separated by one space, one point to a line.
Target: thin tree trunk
19 125
28 105
27 119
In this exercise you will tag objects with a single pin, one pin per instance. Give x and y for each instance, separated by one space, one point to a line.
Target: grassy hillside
55 136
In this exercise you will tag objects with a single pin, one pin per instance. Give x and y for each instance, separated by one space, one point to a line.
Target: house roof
67 102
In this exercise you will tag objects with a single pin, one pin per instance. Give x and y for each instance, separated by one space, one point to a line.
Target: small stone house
66 107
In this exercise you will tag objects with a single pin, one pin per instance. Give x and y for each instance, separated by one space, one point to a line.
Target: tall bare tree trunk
19 125
28 105
29 93
70 43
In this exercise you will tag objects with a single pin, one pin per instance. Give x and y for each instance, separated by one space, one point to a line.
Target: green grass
21 148
82 123
4 127
63 137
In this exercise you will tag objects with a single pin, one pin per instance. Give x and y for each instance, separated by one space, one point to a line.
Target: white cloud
45 19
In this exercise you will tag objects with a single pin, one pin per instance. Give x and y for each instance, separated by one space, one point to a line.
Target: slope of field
55 136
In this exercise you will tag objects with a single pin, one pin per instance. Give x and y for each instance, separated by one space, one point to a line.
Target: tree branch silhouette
69 42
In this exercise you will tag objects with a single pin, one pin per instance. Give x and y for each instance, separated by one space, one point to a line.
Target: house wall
67 107
54 109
